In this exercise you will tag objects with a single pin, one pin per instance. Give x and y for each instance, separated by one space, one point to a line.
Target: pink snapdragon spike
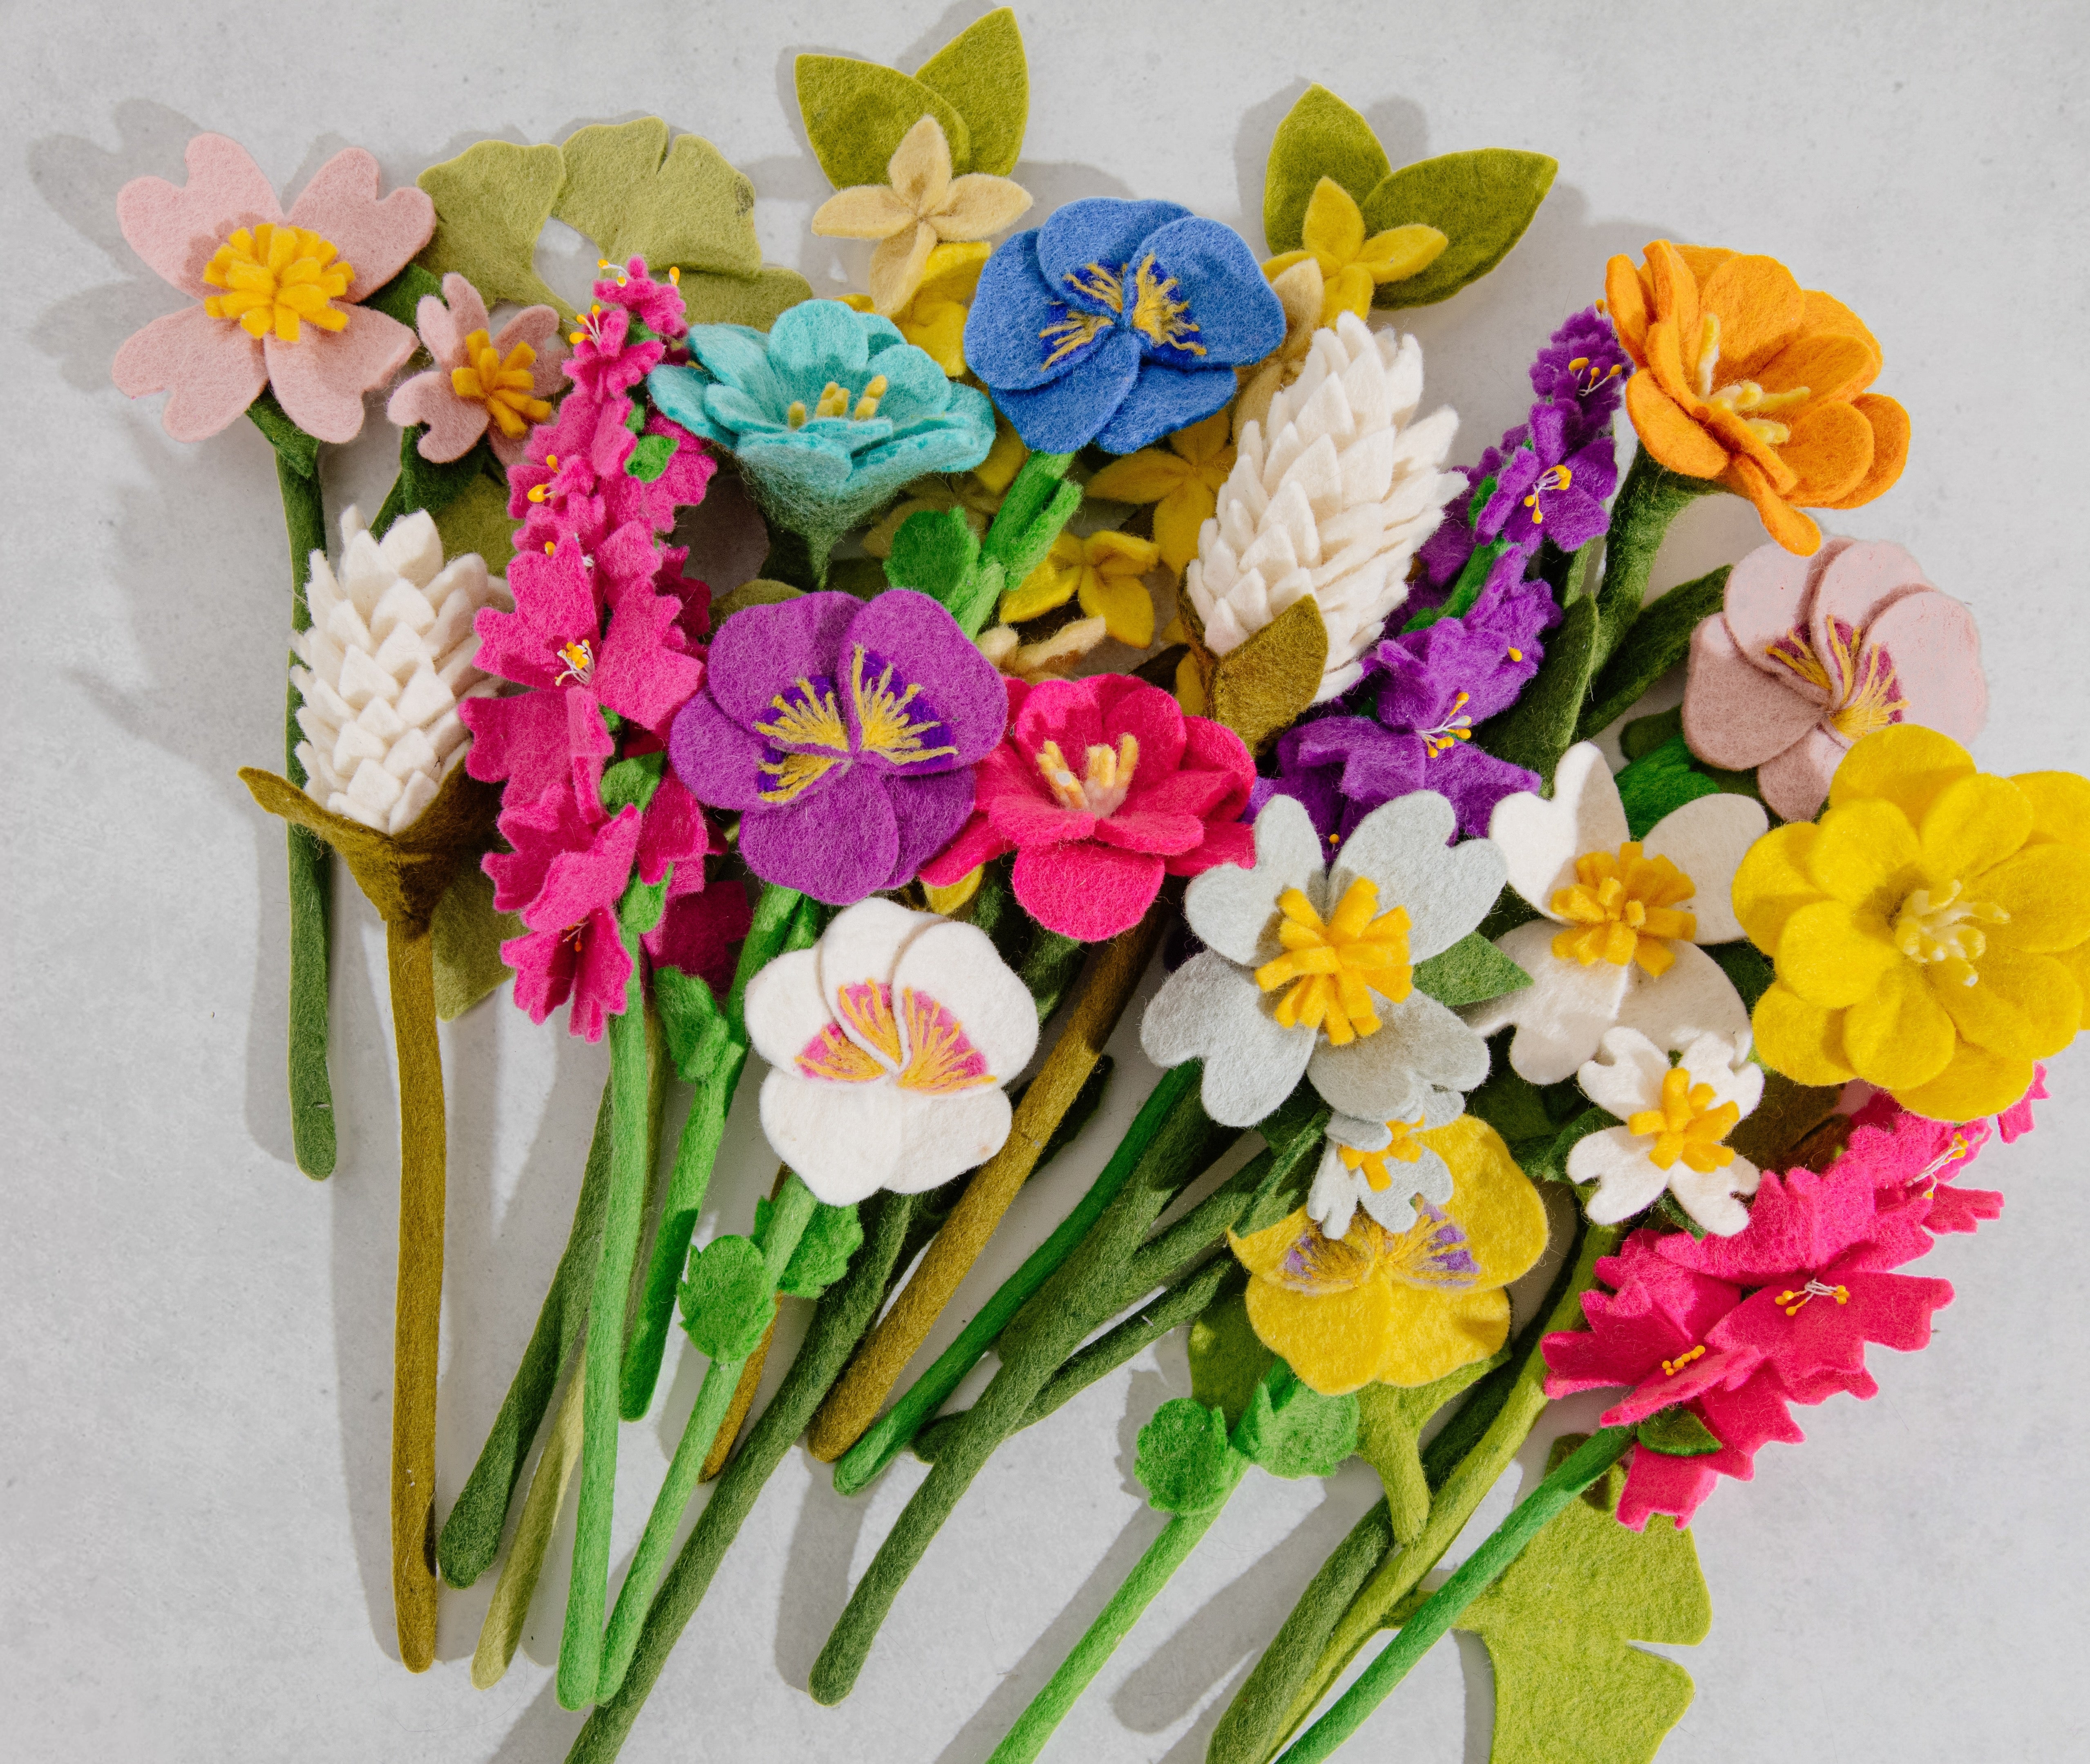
498 385
657 305
605 360
277 297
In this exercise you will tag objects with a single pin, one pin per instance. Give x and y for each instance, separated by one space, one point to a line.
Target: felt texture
1228 1358
727 1302
491 201
466 395
1481 201
1651 645
1320 137
1674 1131
1107 570
1540 727
637 193
1354 267
1106 990
1659 784
984 75
1652 496
477 520
1181 481
1390 1423
1259 689
502 1628
744 1391
1472 969
857 113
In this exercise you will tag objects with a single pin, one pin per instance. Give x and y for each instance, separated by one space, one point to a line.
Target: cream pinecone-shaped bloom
389 654
1330 495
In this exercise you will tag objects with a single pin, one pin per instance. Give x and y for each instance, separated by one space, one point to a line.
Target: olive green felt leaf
751 300
832 1235
1788 1112
727 1300
1654 643
984 75
297 449
1535 731
1472 969
691 1022
638 195
491 201
757 591
1390 1424
478 520
1320 137
1182 1457
1677 1433
934 551
467 934
1644 734
1227 1360
1259 689
1482 201
1298 1432
1558 1625
856 113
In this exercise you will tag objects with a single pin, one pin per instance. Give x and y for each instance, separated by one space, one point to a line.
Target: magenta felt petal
627 557
554 605
1657 1483
1710 1370
976 843
1062 711
1029 818
1087 892
838 843
719 760
1167 836
1150 715
1233 842
579 879
320 379
1936 653
1734 714
762 651
176 228
928 813
1800 1221
341 205
698 932
586 962
213 369
538 741
671 831
636 674
1858 584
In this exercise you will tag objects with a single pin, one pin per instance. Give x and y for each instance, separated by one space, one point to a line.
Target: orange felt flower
1747 378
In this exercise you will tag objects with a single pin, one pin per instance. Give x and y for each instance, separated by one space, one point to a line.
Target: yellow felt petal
1402 251
1899 1036
2077 961
1666 431
937 328
896 267
1865 855
1772 883
1759 306
863 211
2046 891
1119 553
1261 1252
1203 443
1430 1335
920 168
1906 765
1347 290
1834 954
2025 1007
1804 1041
1492 1200
1891 434
1145 476
1123 604
1333 229
1178 520
1976 1083
1626 298
1972 826
1335 1341
954 267
1190 686
949 900
1274 267
1052 583
979 206
1003 459
2060 807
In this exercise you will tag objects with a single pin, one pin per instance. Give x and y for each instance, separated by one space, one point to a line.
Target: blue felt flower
829 415
1118 322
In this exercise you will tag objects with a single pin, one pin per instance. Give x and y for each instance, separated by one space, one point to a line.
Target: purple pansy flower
845 734
1543 490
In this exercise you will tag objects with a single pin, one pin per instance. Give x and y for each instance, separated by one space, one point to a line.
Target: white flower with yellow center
889 1043
1383 1167
389 654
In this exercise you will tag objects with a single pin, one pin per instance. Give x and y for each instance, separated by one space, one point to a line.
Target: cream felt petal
1735 714
1420 1043
1795 783
1210 1010
1859 583
320 379
1402 848
1936 656
1617 1162
1234 910
1339 1191
1770 594
1561 1016
1358 1134
861 946
942 1137
785 1009
213 369
1707 838
1540 840
863 211
1694 998
958 967
897 265
1626 1075
845 1141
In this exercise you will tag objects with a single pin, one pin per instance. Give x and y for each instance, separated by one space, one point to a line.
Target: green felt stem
1478 1571
887 1436
779 924
786 1225
580 1648
1039 503
311 866
1652 496
844 1311
1654 643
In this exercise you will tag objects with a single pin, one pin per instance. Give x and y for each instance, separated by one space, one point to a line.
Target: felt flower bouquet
1121 604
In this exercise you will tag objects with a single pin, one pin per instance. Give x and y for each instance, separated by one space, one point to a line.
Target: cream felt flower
888 1043
920 206
1328 498
389 653
1300 289
1383 1166
1676 1117
1307 969
1616 942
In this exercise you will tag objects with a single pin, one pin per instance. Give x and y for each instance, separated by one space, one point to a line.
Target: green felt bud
1297 1432
1677 1433
1182 1457
1227 1359
695 1026
650 456
934 551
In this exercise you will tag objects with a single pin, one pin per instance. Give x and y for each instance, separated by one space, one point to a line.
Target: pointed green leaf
1654 643
1482 201
491 201
649 455
857 112
631 783
984 75
1320 137
1677 1433
1227 1359
638 195
1182 1457
1472 969
1299 1432
727 1300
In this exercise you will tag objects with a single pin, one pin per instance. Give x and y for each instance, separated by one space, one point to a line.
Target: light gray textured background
192 1537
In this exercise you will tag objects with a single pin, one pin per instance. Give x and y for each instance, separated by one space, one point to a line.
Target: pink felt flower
277 297
1101 787
657 305
1810 655
2017 1119
572 482
501 383
1913 1155
605 361
565 875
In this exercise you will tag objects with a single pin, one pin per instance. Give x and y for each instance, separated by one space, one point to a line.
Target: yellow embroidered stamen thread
867 1006
1073 332
811 718
1455 727
1404 1149
579 657
1324 970
1158 315
278 278
503 386
1952 1154
1744 397
1935 928
883 721
1620 908
1106 776
1687 1125
1812 1290
1670 1368
1105 287
1553 478
941 1057
1864 685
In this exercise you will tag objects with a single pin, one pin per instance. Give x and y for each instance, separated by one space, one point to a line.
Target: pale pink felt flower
311 341
1810 655
503 382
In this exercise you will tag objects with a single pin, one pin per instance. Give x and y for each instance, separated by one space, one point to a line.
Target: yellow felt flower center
503 385
1455 727
1942 927
1744 397
837 400
1687 1125
278 278
1404 1149
1329 969
1621 908
1106 778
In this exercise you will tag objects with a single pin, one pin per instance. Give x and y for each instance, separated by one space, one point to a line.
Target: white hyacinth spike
1328 498
389 654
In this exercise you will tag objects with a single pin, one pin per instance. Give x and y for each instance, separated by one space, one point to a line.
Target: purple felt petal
838 842
718 759
927 814
958 687
762 651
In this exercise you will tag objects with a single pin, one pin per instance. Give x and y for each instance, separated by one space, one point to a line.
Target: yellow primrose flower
1373 1306
1353 266
1931 933
1182 482
934 318
1105 570
998 470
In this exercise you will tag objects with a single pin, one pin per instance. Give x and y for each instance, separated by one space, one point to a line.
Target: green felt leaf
857 112
1677 1433
1788 1112
863 577
631 783
1748 966
1548 1162
727 1300
691 1022
478 520
467 935
983 73
1390 1423
642 906
491 202
753 300
297 449
1298 1432
1472 579
1260 687
1182 1457
1472 969
400 297
650 456
1659 782
637 193
1482 201
1654 643
433 484
1558 1625
1644 734
822 1256
1512 1105
934 551
1227 1360
758 590
1535 731
1320 137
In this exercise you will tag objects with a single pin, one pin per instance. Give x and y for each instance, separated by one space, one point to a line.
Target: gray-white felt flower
1306 969
1382 1166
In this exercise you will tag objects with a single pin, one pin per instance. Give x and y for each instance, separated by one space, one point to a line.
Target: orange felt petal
1826 313
1673 288
1890 432
1667 433
1831 449
1829 366
1702 261
1759 306
1666 362
1784 522
1627 299
1735 435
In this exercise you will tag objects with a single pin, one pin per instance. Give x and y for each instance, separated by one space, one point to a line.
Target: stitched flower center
1106 778
1455 727
1945 928
1858 678
1434 1253
1329 969
885 722
837 400
1404 1149
578 655
1798 1297
502 386
916 1041
1620 908
808 715
277 278
1744 398
1686 1124
1158 315
1553 478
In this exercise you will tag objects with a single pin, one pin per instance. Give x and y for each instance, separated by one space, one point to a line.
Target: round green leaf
1182 1457
1320 137
491 201
1482 201
727 1300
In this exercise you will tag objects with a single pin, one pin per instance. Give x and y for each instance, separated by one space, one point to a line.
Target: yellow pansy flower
1181 480
1376 1307
1931 933
1353 266
934 318
1106 570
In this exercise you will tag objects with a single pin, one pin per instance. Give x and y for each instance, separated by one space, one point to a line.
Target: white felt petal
1441 1107
945 1136
1235 910
863 942
846 1141
1332 1200
1626 1075
784 1008
1210 1010
1711 1060
1709 1197
1429 1178
1359 1135
1707 838
1540 840
1404 847
1628 1181
1387 1074
958 966
1694 998
1561 1016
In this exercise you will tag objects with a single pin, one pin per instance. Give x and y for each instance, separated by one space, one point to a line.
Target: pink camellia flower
503 383
278 296
1101 787
1810 655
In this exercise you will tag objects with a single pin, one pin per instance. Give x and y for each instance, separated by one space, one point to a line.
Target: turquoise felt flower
829 415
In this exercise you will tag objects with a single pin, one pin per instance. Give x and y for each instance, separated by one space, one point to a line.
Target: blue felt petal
1237 314
800 466
1011 308
916 388
737 354
1098 230
679 394
818 341
1070 412
1162 401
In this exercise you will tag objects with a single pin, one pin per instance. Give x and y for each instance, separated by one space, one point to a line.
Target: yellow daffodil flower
1353 266
1105 570
1181 480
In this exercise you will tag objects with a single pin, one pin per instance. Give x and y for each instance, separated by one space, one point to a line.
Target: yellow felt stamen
1934 928
503 385
1404 1149
1455 727
1553 478
1073 332
1324 968
278 278
866 407
834 400
578 655
1158 315
795 416
1106 781
1670 1368
1801 1296
1622 908
1687 1125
